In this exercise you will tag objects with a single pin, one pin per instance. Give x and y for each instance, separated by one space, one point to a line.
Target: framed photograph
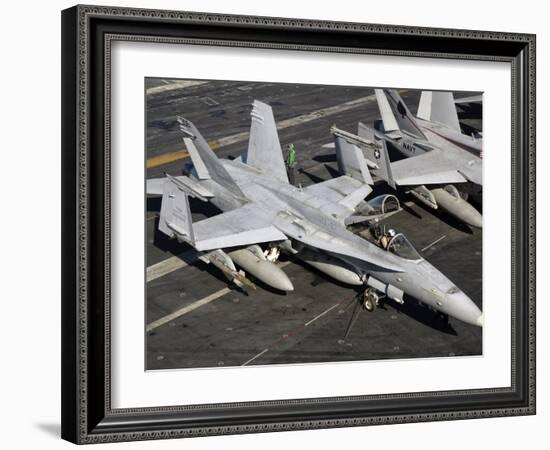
280 224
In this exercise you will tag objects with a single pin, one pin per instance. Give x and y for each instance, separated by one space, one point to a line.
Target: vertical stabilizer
388 119
264 149
205 161
366 132
351 161
439 107
384 165
402 117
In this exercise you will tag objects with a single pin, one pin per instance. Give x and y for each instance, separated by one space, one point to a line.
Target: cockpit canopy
403 248
384 204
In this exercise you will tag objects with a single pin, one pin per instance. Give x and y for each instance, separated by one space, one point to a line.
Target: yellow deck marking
171 86
167 158
240 137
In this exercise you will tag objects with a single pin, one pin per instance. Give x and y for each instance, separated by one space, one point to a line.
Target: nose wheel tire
370 300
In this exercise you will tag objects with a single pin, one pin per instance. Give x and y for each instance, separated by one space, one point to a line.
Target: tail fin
175 214
395 113
264 149
439 107
372 152
351 161
366 132
384 165
206 163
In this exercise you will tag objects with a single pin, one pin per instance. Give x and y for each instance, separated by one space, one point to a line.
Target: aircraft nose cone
479 321
476 220
463 308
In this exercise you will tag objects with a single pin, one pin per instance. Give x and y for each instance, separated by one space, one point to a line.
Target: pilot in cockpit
386 238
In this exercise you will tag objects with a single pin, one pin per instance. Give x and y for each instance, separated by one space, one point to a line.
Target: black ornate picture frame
87 35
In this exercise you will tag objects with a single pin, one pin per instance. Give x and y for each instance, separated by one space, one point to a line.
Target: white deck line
187 309
434 242
321 315
168 266
173 86
254 357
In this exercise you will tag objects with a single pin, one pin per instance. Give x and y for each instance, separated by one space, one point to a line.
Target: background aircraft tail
264 149
206 163
395 114
382 158
439 107
351 161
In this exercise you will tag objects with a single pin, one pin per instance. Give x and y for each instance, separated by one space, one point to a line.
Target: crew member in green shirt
291 162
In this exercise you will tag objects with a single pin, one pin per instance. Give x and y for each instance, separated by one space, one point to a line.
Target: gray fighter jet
259 206
436 153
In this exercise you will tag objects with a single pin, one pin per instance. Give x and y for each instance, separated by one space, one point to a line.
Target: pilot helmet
391 232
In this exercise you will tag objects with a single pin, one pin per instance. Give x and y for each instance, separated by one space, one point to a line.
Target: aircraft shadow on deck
313 178
446 218
416 311
410 210
326 158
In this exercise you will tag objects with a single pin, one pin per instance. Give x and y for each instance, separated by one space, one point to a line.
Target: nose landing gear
367 300
370 300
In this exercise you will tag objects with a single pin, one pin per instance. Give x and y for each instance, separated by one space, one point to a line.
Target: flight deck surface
196 318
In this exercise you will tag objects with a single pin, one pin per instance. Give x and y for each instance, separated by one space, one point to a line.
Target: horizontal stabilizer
175 214
451 176
428 168
191 187
351 161
242 226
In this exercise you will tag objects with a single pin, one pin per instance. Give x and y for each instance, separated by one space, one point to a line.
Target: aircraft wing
428 168
242 226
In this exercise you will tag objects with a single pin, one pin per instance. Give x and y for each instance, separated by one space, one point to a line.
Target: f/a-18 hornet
433 149
260 206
